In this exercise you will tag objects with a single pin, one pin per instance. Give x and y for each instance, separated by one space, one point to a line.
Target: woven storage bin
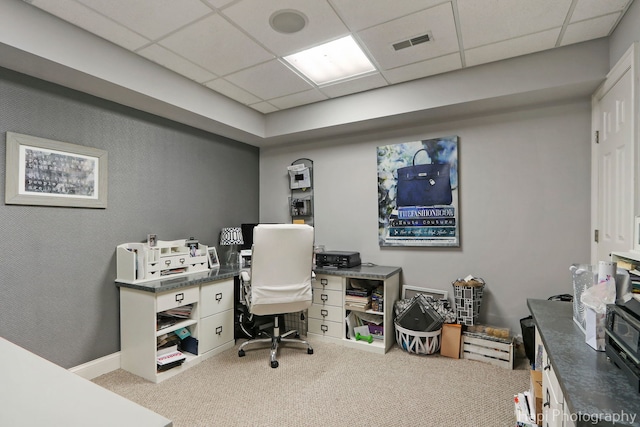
418 342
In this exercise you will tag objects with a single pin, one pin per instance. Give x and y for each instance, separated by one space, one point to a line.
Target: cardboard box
536 394
451 338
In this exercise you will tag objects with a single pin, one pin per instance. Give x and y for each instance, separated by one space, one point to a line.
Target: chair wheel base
240 353
309 351
274 363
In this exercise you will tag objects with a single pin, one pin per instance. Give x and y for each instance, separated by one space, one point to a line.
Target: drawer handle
546 368
168 262
324 297
181 260
324 328
324 313
324 282
179 297
547 404
219 330
219 297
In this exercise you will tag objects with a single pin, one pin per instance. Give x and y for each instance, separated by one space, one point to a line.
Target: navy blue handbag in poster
424 185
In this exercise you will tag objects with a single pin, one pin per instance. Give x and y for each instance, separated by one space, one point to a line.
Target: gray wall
627 32
524 197
59 299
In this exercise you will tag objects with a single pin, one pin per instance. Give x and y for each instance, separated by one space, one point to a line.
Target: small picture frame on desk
212 254
152 240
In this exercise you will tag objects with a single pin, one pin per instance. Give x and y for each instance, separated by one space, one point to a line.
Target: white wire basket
418 342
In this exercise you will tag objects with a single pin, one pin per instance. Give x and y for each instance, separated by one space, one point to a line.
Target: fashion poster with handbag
418 193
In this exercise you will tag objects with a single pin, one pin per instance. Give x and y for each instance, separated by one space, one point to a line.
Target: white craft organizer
139 262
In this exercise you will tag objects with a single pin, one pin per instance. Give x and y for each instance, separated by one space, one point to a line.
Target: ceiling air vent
413 41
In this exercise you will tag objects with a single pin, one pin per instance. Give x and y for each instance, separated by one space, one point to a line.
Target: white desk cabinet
211 320
328 313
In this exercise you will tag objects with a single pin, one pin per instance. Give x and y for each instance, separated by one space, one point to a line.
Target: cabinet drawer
198 260
216 297
175 261
327 297
329 329
215 331
328 282
326 312
177 298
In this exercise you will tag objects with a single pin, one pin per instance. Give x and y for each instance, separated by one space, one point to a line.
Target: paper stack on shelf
168 358
357 299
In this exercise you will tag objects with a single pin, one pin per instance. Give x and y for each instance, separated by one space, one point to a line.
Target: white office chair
280 279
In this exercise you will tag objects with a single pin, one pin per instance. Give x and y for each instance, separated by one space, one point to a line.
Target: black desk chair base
275 340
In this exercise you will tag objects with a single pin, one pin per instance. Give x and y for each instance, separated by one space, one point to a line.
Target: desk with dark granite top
595 390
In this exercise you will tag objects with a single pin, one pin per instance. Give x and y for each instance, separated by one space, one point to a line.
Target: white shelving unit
211 322
328 313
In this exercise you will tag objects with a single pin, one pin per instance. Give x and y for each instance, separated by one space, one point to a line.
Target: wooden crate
486 349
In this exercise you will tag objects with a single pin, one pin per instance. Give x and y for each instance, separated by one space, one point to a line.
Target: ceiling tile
263 107
217 46
589 29
423 69
360 14
269 80
436 20
353 86
170 60
232 91
510 48
151 18
92 21
586 9
490 21
322 23
297 99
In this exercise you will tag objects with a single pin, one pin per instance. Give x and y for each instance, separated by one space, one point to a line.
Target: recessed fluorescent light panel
328 63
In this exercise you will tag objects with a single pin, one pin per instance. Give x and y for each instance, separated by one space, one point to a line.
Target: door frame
628 61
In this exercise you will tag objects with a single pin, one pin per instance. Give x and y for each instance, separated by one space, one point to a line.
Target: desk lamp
232 236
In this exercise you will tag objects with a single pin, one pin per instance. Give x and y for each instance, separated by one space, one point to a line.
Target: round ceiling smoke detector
288 21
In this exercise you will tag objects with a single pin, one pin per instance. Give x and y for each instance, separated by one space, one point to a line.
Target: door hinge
597 137
596 236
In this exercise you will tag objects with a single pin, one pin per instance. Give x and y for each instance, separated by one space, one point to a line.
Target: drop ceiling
229 46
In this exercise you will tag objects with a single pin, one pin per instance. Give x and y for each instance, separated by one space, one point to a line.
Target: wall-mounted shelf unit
301 184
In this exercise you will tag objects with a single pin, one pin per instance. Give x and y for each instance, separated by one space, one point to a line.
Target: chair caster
240 353
274 363
309 351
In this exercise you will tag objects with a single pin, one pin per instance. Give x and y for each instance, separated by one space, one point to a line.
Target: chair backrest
281 266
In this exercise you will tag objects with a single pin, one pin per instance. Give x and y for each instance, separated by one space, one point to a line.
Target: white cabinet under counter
330 313
206 299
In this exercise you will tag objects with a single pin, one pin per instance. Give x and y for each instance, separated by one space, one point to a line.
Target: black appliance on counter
623 338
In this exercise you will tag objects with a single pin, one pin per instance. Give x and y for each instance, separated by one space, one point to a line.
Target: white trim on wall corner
97 367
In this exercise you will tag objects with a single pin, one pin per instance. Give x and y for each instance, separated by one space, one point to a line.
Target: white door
613 120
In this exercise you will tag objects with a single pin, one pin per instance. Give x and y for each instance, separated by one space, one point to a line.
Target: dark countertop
361 272
225 272
592 386
170 283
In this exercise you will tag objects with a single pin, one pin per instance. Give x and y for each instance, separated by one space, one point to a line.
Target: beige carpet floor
335 386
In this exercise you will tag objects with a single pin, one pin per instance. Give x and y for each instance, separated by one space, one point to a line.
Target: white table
36 392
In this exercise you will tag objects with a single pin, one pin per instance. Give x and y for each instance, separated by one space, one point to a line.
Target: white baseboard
97 367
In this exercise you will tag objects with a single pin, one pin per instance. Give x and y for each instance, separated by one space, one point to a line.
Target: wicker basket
418 342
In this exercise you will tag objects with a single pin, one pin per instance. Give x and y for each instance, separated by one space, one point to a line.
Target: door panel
615 205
